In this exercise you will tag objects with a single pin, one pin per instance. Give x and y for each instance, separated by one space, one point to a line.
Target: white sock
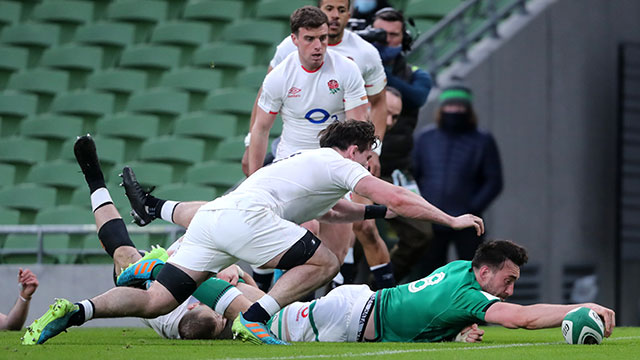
88 309
262 271
339 279
166 213
269 304
225 300
99 198
376 267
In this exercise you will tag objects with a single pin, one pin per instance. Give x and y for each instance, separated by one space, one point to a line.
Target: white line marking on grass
393 352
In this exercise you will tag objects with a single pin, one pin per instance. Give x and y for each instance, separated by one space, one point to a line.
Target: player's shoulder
341 62
362 44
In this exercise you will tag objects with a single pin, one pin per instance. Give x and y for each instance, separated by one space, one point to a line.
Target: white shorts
335 317
216 239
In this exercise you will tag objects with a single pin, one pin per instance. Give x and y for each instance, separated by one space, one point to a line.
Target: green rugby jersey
434 308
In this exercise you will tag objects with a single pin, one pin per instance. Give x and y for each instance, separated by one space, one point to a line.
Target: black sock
384 276
155 206
263 280
348 272
78 318
87 157
257 313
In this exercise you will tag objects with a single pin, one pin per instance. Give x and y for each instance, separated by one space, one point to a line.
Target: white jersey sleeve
366 57
272 94
347 173
354 93
283 50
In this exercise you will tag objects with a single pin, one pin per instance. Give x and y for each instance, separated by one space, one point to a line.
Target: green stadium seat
13 107
7 175
234 100
424 25
19 150
210 127
67 13
144 14
29 197
46 83
198 82
251 77
9 13
133 128
110 151
231 149
111 37
183 192
262 32
280 9
12 59
62 175
54 129
35 37
165 103
90 105
185 34
222 175
120 82
23 249
430 9
213 10
65 247
80 60
148 174
176 151
9 216
226 55
153 59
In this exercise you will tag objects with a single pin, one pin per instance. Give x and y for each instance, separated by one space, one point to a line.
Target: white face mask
365 6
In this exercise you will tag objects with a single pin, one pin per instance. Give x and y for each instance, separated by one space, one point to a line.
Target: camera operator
414 84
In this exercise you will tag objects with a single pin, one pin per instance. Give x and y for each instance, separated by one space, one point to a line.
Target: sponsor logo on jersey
294 92
334 87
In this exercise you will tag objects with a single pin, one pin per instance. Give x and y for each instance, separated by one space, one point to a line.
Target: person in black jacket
457 167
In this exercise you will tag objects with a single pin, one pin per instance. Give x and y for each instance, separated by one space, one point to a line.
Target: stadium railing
171 231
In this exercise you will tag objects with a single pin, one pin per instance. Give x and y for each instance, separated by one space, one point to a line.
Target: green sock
210 291
156 271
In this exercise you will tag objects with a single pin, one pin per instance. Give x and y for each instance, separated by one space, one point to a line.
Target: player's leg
414 238
146 207
174 286
112 232
376 253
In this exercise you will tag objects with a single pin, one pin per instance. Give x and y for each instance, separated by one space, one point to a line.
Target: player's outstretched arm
540 316
347 212
15 319
408 204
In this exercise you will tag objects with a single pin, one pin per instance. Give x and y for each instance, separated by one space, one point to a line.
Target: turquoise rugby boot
52 323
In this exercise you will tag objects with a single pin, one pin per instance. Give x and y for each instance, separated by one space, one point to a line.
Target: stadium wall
547 90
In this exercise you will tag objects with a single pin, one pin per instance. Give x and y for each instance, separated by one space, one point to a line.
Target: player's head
391 21
353 137
309 32
338 13
455 112
496 265
200 322
394 106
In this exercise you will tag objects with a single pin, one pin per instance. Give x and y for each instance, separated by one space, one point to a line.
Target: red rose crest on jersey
294 92
334 87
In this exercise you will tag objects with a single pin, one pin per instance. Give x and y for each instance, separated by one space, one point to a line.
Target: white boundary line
392 352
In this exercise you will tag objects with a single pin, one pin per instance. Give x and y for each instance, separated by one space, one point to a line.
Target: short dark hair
389 14
308 17
494 253
196 325
342 134
394 91
321 1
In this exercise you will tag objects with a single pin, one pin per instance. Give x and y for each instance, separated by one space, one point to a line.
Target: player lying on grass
258 223
446 305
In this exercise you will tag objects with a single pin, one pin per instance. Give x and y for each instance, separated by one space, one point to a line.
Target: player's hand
230 274
374 165
467 221
607 315
28 283
245 162
470 334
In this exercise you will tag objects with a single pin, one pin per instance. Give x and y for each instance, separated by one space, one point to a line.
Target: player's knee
178 285
158 302
329 263
300 252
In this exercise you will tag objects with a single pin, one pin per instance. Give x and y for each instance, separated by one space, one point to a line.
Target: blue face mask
365 6
388 53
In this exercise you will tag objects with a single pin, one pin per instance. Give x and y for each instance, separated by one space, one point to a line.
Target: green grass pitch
138 343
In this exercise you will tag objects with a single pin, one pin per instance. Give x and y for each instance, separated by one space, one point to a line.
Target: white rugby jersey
298 188
167 325
355 48
309 101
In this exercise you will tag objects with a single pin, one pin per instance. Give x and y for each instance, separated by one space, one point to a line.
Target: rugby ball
582 326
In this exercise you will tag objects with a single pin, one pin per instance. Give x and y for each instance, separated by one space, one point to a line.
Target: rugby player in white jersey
313 87
257 223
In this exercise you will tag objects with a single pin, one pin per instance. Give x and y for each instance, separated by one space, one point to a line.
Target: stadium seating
227 56
12 59
187 35
69 14
54 129
198 82
251 77
148 173
211 127
143 14
15 106
7 174
9 13
214 12
35 37
220 174
80 60
179 152
231 149
111 151
45 83
28 198
120 82
280 9
153 59
22 153
111 37
87 104
166 103
430 9
234 100
60 174
134 129
185 192
64 248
